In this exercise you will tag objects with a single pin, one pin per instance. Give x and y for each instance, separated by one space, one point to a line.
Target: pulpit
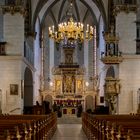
38 110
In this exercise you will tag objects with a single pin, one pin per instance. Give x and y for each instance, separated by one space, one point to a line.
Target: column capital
12 9
127 8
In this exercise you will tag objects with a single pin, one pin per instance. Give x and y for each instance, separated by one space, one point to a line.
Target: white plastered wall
129 68
11 64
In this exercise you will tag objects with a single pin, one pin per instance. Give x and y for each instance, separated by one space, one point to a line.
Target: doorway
28 91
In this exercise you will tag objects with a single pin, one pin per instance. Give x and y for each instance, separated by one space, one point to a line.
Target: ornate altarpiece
68 76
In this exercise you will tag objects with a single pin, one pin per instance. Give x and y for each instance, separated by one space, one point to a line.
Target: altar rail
111 127
27 127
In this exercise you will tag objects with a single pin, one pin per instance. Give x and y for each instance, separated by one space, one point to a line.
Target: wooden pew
115 127
27 127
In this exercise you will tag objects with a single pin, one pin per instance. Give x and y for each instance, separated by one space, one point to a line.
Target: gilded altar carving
112 102
112 86
111 36
112 59
58 86
112 55
56 71
81 71
68 82
79 86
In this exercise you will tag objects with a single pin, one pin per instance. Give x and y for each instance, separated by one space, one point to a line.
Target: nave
69 132
69 57
89 126
69 127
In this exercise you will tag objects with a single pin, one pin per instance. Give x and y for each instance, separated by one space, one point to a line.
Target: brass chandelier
71 31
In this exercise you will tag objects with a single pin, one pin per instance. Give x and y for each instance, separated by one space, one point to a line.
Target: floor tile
69 132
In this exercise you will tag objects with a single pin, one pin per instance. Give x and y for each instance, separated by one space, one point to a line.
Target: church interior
72 57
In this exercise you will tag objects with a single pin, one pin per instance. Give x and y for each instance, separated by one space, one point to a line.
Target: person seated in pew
37 103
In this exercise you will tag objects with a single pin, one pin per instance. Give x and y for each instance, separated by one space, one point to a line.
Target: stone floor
69 132
69 119
69 128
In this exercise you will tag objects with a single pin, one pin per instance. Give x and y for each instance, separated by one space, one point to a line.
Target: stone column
51 48
86 59
42 63
13 65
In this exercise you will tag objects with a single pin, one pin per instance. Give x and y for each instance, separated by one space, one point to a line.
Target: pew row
111 127
27 127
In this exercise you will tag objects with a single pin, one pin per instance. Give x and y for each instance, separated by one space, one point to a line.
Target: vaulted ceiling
54 11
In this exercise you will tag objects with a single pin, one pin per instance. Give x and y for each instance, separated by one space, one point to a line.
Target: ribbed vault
87 11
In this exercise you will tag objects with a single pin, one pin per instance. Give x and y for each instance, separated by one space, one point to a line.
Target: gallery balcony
112 59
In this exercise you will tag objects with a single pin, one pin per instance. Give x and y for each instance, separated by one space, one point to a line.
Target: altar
68 82
69 110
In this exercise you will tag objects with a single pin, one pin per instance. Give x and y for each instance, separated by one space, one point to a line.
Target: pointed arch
28 88
110 72
41 3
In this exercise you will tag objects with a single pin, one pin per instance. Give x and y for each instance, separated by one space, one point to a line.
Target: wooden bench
27 127
115 127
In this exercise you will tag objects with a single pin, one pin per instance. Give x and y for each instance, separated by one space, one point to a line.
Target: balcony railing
111 59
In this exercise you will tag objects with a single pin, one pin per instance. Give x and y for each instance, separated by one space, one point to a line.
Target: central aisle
69 132
69 128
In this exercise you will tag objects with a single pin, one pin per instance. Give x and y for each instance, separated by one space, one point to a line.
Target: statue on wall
68 84
117 87
111 49
112 102
96 82
79 85
58 85
112 89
